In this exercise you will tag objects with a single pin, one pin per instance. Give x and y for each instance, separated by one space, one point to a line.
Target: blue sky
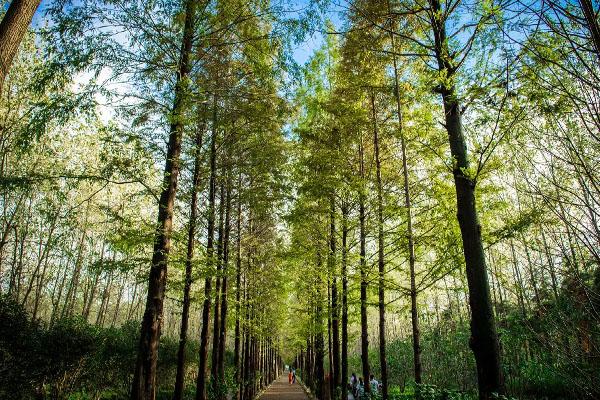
302 51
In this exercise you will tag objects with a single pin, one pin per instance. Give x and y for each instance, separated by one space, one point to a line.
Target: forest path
282 390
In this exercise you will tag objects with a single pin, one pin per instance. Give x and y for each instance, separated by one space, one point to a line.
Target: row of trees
191 89
428 139
377 113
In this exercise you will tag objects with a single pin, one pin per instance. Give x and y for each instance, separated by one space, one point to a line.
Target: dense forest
195 194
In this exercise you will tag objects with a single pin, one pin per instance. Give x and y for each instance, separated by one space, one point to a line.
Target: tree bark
344 375
13 27
417 366
180 375
319 349
238 289
204 333
335 323
217 308
364 329
380 256
144 379
223 328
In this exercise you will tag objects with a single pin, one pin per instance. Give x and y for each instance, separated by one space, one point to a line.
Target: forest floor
282 390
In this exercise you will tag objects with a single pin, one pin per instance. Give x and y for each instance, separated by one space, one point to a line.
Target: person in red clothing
290 376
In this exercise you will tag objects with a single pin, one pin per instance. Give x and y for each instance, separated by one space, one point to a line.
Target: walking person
353 384
374 384
360 389
290 376
293 376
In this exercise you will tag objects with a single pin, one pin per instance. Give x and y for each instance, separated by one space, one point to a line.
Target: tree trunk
319 350
204 333
91 297
180 376
223 328
344 376
144 379
484 339
217 308
238 291
329 344
13 27
335 323
364 329
409 228
246 374
380 257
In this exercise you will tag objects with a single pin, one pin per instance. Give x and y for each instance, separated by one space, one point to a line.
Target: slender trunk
90 300
344 376
180 376
238 291
118 305
144 379
364 329
217 308
105 300
43 259
246 372
38 289
319 344
409 229
551 266
520 288
223 328
329 344
484 338
335 323
204 334
532 277
73 286
13 27
380 257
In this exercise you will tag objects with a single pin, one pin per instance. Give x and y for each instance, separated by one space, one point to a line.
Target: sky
302 51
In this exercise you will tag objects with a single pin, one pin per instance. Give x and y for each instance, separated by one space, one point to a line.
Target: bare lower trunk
364 328
380 257
180 375
238 291
335 322
409 230
344 362
223 327
204 333
217 308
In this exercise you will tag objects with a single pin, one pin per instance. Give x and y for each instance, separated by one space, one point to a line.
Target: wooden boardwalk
282 390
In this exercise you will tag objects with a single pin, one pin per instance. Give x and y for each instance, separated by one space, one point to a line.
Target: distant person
374 384
293 376
290 376
353 383
360 389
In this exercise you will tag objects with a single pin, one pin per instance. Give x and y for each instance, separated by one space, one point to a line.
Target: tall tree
191 241
144 380
380 253
201 389
484 338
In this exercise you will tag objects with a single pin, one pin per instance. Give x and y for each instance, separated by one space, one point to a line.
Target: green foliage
72 359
